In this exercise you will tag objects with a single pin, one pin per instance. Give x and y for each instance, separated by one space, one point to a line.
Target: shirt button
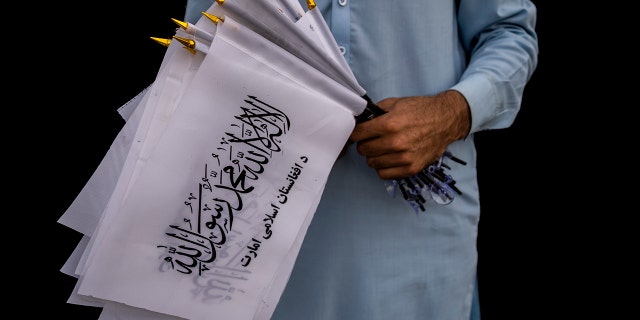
342 2
342 50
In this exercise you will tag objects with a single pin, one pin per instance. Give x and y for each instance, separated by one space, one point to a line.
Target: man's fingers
363 131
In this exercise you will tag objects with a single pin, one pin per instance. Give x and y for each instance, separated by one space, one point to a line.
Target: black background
97 58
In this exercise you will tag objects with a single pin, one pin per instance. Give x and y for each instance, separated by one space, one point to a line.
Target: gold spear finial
212 17
189 44
181 24
311 4
162 41
220 2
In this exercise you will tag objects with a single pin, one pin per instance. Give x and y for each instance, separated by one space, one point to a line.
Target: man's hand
413 133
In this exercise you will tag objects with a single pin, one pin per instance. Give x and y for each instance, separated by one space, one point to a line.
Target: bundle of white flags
199 208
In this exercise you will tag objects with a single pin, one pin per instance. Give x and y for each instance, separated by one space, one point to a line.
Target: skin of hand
413 133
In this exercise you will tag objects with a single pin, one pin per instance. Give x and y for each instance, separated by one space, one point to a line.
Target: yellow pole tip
189 43
211 17
311 4
162 41
181 24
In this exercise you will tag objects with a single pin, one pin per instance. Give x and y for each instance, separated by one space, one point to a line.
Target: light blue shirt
367 255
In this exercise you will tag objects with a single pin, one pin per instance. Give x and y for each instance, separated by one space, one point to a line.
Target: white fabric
266 20
297 149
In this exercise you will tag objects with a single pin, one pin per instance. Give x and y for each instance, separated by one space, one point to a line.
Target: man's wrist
460 113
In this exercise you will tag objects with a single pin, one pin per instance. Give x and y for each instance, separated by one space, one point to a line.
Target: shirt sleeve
503 53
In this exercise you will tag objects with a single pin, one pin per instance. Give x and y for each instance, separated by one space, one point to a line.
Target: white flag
209 224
